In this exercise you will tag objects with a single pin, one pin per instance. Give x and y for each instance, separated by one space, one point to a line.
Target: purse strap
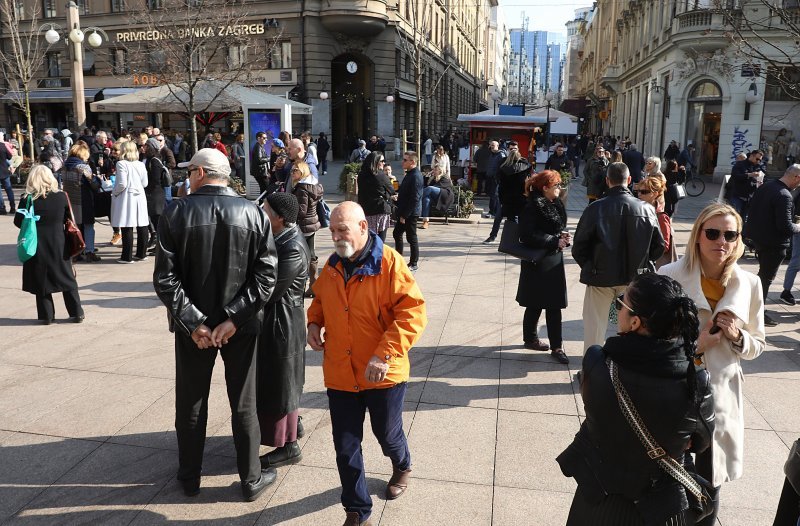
668 464
69 205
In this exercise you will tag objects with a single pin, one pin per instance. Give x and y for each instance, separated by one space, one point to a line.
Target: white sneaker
124 261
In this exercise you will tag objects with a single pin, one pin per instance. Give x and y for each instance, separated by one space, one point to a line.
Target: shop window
237 55
54 65
782 85
280 56
89 60
49 8
706 90
117 6
119 62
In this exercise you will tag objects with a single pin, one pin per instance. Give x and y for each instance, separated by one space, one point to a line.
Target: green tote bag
27 240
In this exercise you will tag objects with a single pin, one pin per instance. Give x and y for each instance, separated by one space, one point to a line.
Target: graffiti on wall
740 143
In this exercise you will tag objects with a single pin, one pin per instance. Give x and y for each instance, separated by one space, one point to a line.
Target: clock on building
352 67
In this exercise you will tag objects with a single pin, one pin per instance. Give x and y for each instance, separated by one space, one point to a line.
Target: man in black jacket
215 269
559 161
634 160
744 181
409 208
769 225
617 238
259 162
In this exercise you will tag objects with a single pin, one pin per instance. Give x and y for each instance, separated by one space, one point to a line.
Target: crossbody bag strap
69 205
668 464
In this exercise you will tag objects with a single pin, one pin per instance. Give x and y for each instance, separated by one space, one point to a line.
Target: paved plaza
87 411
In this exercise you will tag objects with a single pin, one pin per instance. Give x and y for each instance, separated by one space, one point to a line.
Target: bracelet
739 343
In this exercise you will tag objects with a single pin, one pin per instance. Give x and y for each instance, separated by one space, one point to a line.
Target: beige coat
743 298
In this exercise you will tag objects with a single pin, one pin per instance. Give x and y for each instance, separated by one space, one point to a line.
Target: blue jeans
347 423
88 237
430 192
740 205
794 264
168 194
6 184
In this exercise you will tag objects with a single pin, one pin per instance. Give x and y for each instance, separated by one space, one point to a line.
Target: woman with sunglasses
731 311
376 193
618 482
651 191
543 285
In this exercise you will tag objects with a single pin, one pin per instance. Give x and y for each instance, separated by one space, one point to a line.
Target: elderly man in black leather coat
617 238
215 269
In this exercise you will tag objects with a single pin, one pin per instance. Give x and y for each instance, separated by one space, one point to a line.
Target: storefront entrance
351 104
703 124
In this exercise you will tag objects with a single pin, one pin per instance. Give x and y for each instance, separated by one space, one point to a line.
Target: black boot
301 432
290 453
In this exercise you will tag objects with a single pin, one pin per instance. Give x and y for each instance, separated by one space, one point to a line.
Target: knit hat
285 205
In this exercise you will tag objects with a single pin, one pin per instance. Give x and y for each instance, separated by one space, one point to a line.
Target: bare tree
766 36
22 56
416 40
188 42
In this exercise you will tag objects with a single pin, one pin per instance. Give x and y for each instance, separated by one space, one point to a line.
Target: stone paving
87 434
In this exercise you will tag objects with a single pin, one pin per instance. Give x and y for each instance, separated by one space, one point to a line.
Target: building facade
360 53
663 71
545 53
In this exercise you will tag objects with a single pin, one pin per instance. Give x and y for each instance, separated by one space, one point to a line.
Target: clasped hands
725 321
205 338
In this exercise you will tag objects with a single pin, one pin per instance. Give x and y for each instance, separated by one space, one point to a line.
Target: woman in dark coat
281 354
674 175
543 285
156 198
323 147
375 193
308 191
78 180
618 483
47 271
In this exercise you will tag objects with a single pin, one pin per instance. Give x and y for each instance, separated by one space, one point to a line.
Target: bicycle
694 186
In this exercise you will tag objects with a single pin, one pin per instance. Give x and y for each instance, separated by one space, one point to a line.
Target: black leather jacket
512 177
617 237
259 161
215 260
374 193
769 221
606 456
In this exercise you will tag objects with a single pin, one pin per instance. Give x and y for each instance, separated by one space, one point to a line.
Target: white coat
128 200
743 298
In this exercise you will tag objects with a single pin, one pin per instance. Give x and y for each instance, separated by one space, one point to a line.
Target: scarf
552 213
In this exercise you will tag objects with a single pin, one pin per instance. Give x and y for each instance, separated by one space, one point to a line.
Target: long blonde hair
693 246
40 182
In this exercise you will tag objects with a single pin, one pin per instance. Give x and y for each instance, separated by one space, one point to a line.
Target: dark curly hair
668 314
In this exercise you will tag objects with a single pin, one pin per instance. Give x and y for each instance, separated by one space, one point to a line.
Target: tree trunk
29 124
192 116
418 108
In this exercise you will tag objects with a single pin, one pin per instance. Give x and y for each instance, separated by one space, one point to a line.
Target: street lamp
548 96
76 36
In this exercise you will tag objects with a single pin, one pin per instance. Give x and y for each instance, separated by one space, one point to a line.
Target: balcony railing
695 19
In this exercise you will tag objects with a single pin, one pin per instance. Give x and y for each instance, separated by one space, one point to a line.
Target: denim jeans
88 237
429 193
794 264
740 205
347 424
6 184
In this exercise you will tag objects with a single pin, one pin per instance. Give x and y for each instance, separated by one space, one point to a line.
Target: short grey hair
656 161
632 146
216 176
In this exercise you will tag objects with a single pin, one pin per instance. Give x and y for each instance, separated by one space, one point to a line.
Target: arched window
706 90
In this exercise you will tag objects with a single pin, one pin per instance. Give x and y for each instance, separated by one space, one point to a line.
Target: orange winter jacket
379 312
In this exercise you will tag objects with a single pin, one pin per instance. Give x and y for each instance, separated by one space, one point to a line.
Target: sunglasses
645 192
712 234
618 304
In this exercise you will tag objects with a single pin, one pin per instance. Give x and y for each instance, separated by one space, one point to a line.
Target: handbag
676 192
698 489
166 177
792 467
73 239
511 245
27 240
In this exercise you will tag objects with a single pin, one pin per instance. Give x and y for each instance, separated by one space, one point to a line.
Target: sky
543 15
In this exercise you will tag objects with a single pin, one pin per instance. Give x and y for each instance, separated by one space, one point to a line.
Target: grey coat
281 346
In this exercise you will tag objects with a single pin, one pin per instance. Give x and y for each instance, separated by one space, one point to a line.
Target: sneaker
137 258
537 345
487 215
560 356
124 261
489 240
413 267
768 321
788 298
116 239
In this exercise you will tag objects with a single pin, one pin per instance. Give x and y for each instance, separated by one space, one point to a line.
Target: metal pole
547 141
78 102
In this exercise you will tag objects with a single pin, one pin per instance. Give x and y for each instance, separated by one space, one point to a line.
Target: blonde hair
79 150
40 182
129 151
305 171
654 184
693 246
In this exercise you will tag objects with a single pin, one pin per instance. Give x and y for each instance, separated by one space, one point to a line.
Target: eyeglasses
618 304
712 234
645 192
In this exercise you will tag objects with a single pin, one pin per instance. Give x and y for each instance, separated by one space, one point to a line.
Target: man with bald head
297 152
366 315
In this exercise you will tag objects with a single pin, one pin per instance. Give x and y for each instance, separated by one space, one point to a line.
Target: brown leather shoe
537 345
398 483
353 520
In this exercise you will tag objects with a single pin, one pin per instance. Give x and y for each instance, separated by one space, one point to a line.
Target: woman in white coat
731 312
129 203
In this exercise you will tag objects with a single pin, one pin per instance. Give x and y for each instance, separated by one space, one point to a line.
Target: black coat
409 195
511 177
743 185
446 196
543 284
47 272
308 196
156 199
634 160
769 220
282 343
215 260
606 456
374 193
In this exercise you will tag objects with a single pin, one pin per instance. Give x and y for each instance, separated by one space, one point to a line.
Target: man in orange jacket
372 313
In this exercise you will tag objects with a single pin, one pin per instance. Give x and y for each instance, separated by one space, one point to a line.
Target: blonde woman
48 272
731 311
129 203
652 168
308 191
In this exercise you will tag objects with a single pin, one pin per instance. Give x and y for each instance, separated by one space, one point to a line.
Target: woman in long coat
78 180
47 271
543 285
129 203
730 298
156 198
281 353
375 193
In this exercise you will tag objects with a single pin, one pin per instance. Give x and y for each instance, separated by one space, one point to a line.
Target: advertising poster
267 121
